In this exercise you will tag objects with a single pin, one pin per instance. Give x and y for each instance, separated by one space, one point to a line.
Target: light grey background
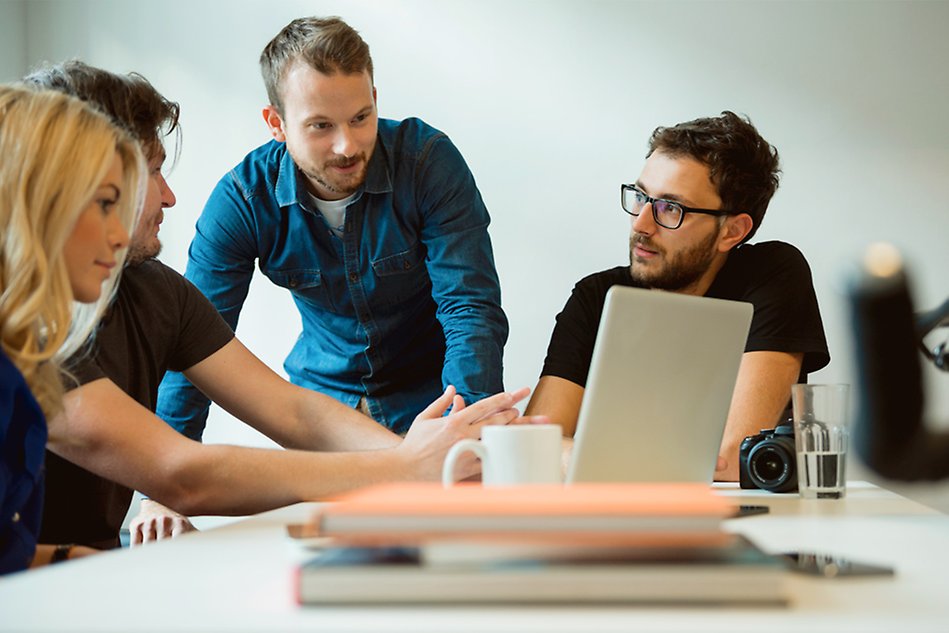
551 103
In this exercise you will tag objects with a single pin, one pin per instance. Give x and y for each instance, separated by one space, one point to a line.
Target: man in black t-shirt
109 442
700 197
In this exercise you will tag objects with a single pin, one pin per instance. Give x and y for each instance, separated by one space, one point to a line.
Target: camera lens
768 466
771 465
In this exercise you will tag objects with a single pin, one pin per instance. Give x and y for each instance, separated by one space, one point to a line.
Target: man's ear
733 231
274 123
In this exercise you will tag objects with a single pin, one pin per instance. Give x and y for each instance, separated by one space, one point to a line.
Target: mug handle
448 470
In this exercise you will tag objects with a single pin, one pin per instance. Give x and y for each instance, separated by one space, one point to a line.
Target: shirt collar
378 178
290 187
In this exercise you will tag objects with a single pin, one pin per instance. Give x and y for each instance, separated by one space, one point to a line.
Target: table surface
240 577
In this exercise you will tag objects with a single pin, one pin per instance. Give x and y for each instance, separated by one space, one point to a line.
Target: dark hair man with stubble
701 196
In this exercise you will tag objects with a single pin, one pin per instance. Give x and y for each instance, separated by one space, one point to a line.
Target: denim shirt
404 304
22 447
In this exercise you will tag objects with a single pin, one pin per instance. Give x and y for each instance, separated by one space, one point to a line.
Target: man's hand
432 435
155 522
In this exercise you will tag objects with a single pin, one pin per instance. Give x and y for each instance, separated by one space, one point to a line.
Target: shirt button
293 283
353 277
406 265
16 517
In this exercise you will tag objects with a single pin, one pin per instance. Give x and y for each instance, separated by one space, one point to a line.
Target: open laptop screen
660 385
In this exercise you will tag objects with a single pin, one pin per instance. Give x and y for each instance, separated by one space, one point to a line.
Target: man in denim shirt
375 226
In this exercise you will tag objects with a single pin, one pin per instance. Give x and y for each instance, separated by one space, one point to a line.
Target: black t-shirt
773 276
158 321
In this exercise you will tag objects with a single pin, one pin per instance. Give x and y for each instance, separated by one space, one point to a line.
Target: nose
116 234
168 198
343 144
644 223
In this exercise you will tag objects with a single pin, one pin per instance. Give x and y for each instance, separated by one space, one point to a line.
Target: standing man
700 197
376 228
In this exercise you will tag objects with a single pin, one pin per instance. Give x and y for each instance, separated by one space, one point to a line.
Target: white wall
552 102
12 38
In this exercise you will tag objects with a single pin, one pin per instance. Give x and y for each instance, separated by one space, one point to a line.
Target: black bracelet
61 553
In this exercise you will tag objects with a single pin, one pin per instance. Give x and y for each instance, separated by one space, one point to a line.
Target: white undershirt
334 212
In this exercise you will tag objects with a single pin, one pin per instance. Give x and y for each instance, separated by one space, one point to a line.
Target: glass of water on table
822 436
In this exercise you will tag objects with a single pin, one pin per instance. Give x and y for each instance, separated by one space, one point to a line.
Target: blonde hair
55 153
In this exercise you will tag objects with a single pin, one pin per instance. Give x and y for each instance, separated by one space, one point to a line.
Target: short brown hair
130 100
743 166
328 45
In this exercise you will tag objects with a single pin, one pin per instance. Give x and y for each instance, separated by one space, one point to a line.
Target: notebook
660 385
598 512
734 572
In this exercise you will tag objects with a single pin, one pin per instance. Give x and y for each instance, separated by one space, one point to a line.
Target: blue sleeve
221 264
460 264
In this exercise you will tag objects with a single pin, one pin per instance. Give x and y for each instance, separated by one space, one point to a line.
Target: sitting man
108 442
700 197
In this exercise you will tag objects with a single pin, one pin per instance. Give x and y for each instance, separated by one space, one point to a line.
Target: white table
240 577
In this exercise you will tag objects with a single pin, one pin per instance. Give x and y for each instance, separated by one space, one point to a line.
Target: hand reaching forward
155 522
432 434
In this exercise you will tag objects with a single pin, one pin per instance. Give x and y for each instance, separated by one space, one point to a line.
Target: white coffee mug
512 454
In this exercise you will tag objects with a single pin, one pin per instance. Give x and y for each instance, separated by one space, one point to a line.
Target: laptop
660 385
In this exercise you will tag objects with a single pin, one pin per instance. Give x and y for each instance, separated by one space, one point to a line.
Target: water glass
822 436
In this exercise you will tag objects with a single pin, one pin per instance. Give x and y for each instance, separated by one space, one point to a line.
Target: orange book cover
580 512
597 499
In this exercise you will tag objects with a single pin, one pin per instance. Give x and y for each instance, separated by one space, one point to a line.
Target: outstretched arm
105 431
292 416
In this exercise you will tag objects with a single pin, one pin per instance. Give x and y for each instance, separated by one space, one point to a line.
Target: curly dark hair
130 100
743 166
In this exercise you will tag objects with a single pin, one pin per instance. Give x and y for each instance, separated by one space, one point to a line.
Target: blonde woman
70 187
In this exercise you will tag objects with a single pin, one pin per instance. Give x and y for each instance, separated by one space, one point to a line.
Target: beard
139 252
678 272
342 184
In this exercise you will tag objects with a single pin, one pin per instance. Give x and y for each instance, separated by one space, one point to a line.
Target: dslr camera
768 460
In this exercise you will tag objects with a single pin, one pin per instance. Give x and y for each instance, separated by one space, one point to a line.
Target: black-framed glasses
666 213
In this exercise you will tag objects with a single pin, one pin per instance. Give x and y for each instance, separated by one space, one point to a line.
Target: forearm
44 553
761 394
559 399
323 423
111 435
475 334
232 480
292 416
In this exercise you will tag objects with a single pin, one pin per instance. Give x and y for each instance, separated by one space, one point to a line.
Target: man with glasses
699 199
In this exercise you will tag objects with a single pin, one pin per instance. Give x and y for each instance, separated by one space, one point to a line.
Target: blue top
22 446
405 303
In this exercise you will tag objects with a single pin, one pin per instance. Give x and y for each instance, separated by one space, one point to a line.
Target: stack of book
582 543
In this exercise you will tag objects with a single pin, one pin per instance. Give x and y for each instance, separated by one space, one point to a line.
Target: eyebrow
322 117
671 197
115 189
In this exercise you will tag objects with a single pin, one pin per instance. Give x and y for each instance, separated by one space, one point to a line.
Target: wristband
61 553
